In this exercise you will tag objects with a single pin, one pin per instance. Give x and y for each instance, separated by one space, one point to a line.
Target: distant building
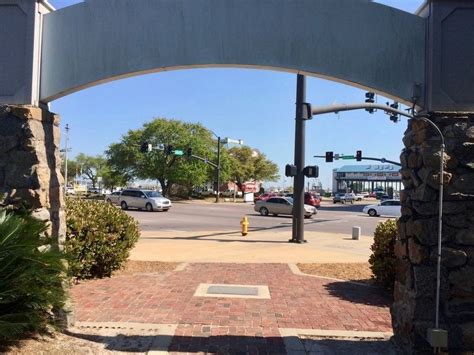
367 178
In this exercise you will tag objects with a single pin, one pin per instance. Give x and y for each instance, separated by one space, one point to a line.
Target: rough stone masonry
30 164
413 310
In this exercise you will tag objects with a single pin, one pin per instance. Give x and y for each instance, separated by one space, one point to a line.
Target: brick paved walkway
207 323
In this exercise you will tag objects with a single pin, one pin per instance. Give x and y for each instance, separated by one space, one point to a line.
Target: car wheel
124 205
372 212
149 207
308 216
264 211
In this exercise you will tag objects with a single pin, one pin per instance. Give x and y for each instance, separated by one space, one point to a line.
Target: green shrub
98 239
31 276
382 260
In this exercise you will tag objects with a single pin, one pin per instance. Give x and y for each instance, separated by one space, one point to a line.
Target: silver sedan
281 205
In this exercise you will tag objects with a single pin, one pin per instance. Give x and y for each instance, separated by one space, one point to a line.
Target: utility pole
298 181
218 167
65 159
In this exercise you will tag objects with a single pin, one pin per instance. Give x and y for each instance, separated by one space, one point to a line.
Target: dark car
309 199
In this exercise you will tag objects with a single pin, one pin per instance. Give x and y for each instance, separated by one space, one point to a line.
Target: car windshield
290 200
152 194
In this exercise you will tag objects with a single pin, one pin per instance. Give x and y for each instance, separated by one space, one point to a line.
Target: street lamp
226 140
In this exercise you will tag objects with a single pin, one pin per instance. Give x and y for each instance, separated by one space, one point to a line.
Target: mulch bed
359 272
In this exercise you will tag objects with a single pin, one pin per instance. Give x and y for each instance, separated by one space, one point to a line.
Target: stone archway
403 56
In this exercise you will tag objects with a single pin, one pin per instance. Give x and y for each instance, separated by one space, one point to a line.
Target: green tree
250 164
71 168
126 157
92 167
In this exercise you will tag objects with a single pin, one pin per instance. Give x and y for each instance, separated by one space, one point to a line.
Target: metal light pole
218 168
298 181
226 140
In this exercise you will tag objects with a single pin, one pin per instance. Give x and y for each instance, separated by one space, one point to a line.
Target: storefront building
367 178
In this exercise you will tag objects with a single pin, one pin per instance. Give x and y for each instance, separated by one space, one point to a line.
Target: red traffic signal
329 157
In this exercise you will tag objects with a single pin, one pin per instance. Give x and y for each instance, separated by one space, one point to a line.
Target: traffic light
290 170
369 99
189 152
394 116
146 147
359 155
168 149
329 157
311 171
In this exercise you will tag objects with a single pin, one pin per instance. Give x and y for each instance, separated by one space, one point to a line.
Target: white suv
147 199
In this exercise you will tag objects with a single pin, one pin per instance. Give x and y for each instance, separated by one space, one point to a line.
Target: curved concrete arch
353 41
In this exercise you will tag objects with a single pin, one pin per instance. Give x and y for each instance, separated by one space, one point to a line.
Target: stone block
403 272
460 310
401 226
462 282
465 236
425 281
450 258
414 161
417 252
424 230
464 183
456 220
424 193
467 331
400 249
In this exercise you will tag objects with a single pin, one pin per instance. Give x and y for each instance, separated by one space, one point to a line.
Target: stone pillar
30 164
413 310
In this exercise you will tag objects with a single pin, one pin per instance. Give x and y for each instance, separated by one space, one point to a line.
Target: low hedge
382 260
99 238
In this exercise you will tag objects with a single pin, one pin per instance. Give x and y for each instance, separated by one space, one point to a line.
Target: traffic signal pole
218 168
298 180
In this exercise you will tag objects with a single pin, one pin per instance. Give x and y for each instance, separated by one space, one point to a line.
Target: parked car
230 193
265 196
147 199
359 197
390 208
309 199
70 190
344 197
113 198
281 205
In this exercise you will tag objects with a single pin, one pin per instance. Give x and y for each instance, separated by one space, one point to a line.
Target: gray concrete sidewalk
256 247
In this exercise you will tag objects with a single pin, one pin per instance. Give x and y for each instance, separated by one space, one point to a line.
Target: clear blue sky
254 105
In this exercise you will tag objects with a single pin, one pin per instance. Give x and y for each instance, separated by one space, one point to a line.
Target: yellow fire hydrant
245 226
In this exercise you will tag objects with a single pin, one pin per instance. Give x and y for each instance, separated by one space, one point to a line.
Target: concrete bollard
355 233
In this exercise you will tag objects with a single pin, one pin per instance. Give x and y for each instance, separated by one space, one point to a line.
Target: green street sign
178 152
347 157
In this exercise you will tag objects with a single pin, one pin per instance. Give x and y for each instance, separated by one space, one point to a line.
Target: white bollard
355 233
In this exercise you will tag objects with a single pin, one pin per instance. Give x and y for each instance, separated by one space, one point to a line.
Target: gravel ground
359 272
85 340
135 266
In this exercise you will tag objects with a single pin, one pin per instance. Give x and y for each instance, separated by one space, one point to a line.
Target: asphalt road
226 217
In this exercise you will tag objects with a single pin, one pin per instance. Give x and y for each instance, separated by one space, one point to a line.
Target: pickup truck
344 197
